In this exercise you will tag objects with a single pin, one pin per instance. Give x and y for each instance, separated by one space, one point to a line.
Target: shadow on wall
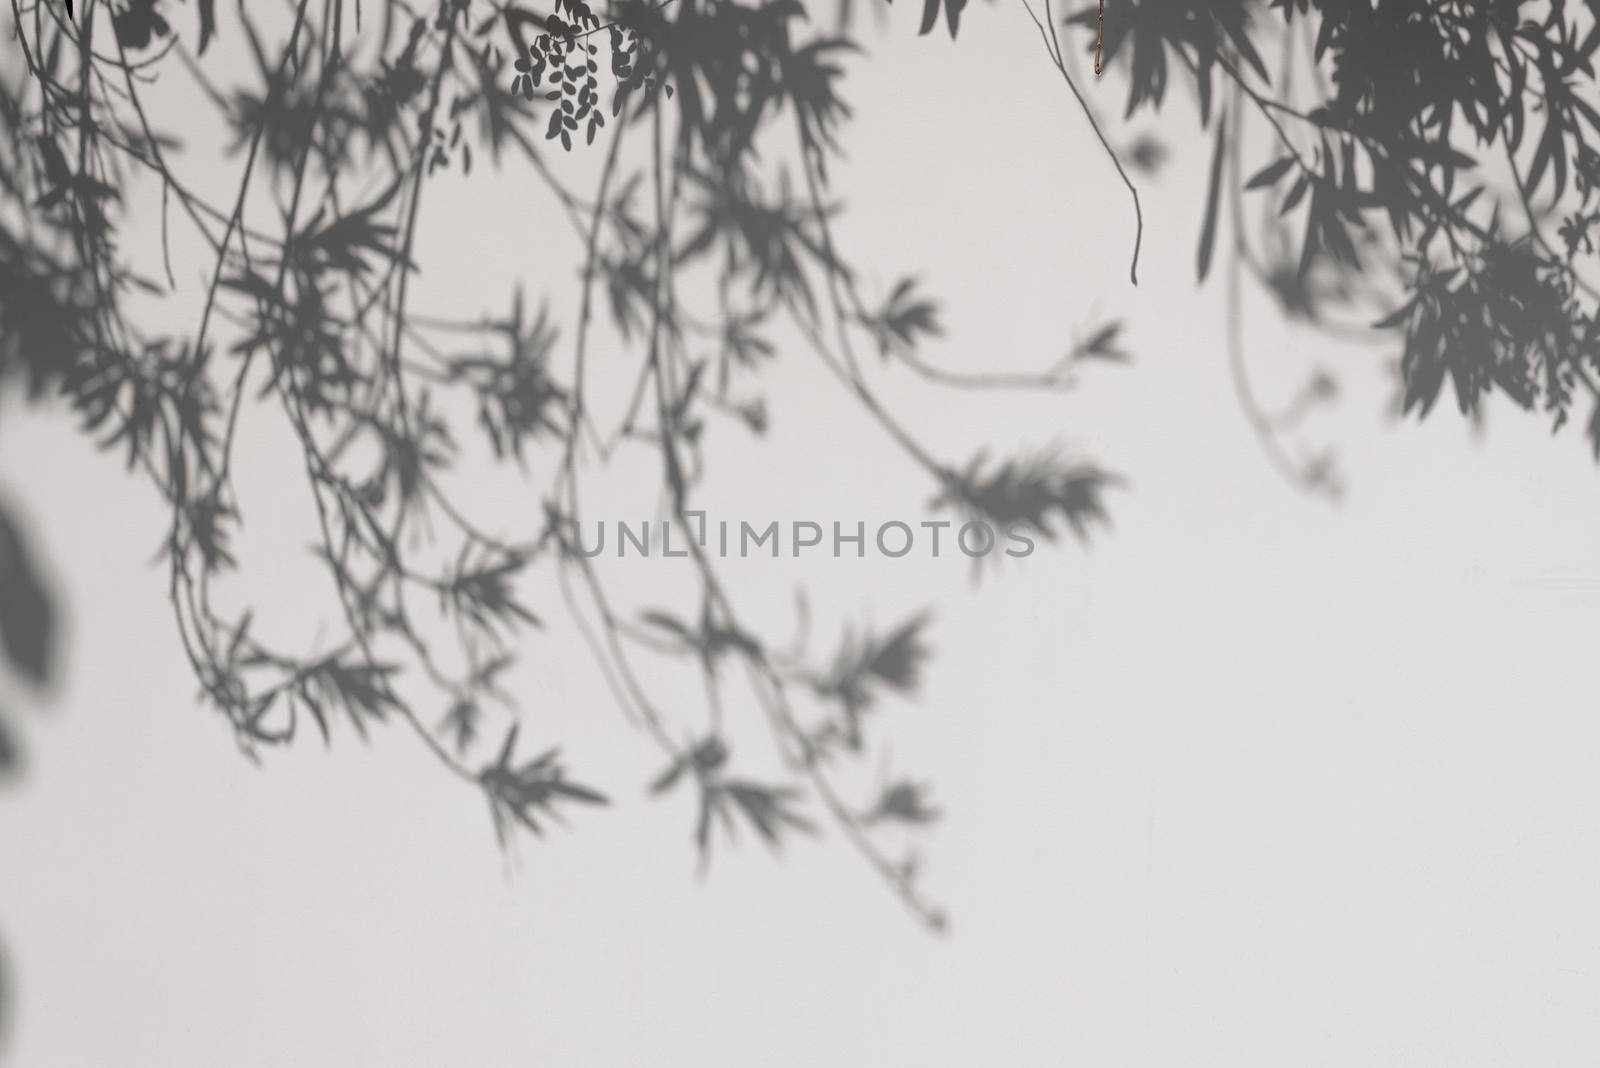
28 642
27 625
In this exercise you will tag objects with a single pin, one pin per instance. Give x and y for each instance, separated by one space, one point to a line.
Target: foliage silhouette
1432 172
1382 122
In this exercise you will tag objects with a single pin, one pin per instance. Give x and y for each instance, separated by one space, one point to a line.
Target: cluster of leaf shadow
1378 118
1426 173
312 319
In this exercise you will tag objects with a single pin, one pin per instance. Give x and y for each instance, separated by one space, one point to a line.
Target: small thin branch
1052 46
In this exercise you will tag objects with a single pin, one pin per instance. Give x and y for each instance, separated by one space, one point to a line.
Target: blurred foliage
1423 176
28 627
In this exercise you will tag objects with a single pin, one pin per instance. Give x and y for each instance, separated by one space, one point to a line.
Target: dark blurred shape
1147 155
27 614
10 758
28 639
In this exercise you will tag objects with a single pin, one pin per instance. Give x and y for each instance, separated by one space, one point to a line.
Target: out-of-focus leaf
529 791
10 755
1101 345
1031 491
903 802
1270 173
27 609
1208 229
208 23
